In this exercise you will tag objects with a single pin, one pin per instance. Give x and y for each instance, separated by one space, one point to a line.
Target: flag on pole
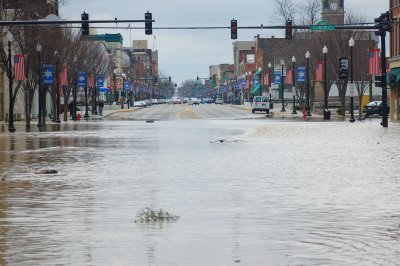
64 76
119 84
289 76
19 67
318 71
374 62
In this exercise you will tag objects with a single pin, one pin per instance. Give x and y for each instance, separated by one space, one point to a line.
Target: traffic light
378 81
289 30
233 29
148 25
169 78
85 24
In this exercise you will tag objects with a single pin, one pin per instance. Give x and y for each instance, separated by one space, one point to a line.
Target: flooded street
284 193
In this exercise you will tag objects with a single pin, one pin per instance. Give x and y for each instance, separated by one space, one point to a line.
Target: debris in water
148 215
226 140
46 171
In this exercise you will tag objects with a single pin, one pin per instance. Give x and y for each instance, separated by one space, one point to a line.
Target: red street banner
266 79
90 81
19 67
318 71
289 76
374 62
64 76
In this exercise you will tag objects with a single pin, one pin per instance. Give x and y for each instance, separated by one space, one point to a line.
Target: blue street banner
81 81
277 77
227 88
255 83
243 83
100 80
127 85
48 74
301 74
237 86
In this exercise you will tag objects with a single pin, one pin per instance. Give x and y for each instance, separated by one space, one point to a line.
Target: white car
193 101
139 104
177 100
219 101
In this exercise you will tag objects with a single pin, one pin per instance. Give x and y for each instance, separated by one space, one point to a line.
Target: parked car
161 101
208 100
177 100
193 101
219 101
147 102
374 108
185 100
260 103
154 101
139 104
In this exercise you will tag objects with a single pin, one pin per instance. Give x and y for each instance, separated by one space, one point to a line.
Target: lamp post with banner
47 79
308 83
351 44
283 87
270 84
294 85
327 113
99 83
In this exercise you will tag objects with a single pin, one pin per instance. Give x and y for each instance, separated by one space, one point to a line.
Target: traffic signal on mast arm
85 24
148 25
289 30
233 29
169 78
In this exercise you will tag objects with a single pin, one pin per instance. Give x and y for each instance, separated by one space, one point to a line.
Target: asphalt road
184 111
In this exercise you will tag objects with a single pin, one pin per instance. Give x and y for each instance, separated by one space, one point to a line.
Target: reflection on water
288 194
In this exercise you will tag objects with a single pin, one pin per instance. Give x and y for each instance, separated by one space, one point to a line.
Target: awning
394 72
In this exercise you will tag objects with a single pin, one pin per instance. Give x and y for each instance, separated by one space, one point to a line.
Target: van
260 103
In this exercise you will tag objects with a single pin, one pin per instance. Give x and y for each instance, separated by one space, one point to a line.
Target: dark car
374 108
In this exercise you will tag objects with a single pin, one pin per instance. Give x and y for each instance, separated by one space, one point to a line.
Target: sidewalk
276 113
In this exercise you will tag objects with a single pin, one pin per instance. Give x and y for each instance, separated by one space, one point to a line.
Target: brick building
394 61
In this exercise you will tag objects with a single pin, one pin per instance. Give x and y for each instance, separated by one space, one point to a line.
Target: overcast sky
185 53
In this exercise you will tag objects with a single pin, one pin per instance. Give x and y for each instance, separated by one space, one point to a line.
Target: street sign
48 74
323 25
301 74
81 81
243 83
100 80
343 68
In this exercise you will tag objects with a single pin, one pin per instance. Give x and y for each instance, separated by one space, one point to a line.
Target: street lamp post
39 50
74 92
283 87
294 86
351 44
11 127
260 79
270 84
57 92
327 113
308 84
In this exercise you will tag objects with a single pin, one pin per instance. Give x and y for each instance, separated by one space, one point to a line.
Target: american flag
64 76
289 76
318 71
19 67
374 62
